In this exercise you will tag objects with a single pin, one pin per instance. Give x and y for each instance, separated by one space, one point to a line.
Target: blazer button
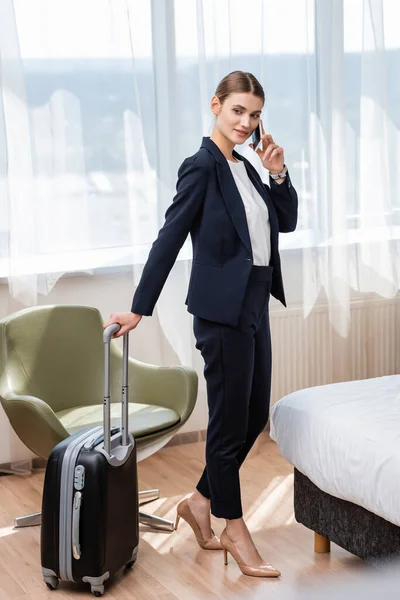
248 259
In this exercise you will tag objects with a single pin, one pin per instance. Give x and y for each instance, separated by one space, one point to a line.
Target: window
117 96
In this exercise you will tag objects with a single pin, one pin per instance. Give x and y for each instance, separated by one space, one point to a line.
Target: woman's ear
215 105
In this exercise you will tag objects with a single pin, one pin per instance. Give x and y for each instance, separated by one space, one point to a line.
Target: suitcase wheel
97 591
52 582
130 564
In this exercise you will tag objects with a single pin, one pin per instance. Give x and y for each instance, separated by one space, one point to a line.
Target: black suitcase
90 509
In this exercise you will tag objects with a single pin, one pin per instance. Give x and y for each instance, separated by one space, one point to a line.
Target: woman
234 221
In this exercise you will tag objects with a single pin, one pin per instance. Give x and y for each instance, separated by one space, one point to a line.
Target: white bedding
345 437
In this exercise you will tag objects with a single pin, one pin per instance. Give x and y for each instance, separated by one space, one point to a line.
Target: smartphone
256 136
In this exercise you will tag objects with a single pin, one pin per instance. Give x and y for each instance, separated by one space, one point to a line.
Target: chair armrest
172 387
34 422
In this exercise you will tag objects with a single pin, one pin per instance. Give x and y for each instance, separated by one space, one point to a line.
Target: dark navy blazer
209 207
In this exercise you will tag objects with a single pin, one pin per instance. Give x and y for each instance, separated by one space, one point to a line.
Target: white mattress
345 437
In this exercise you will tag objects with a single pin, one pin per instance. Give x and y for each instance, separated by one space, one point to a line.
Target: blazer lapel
230 193
234 204
261 189
233 200
254 178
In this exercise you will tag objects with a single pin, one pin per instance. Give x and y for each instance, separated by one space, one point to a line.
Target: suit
208 206
229 298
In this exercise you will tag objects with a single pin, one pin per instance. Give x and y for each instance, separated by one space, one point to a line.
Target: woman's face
238 116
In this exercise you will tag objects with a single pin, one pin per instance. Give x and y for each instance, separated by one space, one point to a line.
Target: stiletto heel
265 570
183 512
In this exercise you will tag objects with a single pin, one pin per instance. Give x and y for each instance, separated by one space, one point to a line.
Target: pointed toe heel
265 570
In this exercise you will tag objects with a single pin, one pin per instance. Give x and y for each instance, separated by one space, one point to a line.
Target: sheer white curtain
352 190
101 100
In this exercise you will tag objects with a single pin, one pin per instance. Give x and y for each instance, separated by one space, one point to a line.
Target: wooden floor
171 565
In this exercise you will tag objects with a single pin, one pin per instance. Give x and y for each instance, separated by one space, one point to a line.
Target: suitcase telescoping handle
107 335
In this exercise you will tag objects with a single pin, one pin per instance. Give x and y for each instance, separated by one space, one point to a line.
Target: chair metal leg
144 518
156 522
28 520
152 520
148 496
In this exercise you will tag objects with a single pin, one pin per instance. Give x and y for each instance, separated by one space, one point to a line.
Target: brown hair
239 82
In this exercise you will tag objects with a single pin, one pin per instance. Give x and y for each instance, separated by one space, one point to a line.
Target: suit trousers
238 376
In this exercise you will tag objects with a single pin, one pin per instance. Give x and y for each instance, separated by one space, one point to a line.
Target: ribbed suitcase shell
90 523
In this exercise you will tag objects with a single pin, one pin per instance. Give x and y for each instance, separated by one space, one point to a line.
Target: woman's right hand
128 321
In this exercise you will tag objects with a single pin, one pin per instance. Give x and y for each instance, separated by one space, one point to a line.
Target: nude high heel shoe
265 570
183 512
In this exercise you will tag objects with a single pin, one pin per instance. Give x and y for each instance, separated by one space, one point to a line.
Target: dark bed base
350 526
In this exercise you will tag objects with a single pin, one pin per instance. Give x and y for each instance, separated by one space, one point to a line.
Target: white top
345 437
257 215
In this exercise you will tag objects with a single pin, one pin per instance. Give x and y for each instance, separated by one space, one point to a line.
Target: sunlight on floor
5 531
290 520
165 508
277 494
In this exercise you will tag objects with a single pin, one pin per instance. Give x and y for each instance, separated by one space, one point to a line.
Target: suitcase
90 509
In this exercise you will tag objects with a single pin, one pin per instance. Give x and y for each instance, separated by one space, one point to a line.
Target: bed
343 440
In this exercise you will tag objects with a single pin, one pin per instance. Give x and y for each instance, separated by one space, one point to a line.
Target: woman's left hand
271 155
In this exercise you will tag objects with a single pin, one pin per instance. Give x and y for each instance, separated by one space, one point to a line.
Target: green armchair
51 385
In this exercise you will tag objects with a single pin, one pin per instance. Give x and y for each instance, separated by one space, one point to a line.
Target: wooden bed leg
321 544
